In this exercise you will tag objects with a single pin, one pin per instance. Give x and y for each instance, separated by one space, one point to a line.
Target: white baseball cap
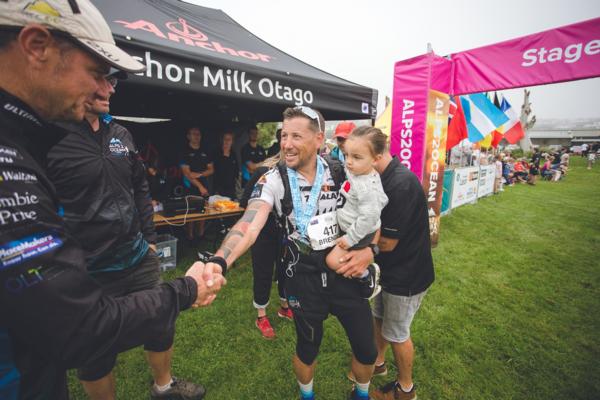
80 19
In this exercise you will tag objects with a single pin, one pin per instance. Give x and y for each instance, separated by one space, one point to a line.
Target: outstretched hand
209 281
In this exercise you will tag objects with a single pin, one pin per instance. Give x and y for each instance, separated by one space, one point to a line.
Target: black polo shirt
254 154
226 174
196 159
408 269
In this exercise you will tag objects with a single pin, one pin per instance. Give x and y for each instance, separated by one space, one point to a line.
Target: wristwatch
374 248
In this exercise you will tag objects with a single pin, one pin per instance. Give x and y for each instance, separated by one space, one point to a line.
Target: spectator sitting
548 172
520 171
227 170
252 155
196 167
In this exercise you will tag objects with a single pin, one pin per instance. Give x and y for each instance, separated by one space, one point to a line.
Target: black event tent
202 64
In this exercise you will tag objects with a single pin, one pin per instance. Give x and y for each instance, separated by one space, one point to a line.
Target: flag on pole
481 115
452 109
513 131
497 135
457 129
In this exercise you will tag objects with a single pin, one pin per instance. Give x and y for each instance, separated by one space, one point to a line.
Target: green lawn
514 312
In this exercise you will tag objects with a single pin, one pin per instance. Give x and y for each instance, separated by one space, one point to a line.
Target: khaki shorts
397 313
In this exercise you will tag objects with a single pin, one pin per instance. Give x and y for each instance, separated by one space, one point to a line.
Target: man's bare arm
239 239
244 233
191 176
210 169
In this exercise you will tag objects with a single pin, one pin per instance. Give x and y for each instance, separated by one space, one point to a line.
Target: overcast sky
361 40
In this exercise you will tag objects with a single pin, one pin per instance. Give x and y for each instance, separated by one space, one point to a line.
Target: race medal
322 231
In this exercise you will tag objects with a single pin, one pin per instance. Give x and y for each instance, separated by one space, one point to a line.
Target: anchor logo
182 28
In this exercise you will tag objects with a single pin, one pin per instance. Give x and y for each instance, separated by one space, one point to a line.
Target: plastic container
166 249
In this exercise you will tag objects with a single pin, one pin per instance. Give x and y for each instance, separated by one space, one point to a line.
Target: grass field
514 312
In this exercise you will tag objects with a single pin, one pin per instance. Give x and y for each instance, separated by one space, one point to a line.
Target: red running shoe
285 313
264 326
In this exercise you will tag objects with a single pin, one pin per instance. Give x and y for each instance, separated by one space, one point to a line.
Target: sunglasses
113 81
312 114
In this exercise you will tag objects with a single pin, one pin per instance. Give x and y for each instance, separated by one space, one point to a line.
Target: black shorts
145 275
314 292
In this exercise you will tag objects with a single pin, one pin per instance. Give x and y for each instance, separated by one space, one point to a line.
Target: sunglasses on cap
310 113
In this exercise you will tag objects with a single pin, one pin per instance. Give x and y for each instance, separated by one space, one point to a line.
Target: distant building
563 137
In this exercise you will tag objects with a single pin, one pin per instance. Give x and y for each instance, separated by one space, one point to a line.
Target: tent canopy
202 64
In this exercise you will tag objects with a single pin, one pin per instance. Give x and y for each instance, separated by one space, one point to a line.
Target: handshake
209 278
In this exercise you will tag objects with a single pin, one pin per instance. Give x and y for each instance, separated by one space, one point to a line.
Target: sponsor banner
409 112
487 174
435 157
169 73
448 181
21 250
563 54
464 189
412 80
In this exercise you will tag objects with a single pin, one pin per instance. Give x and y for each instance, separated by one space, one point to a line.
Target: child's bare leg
333 258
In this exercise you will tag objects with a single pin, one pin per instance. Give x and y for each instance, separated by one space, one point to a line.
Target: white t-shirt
269 188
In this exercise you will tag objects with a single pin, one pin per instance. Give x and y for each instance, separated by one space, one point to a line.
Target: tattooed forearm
233 232
231 240
241 236
249 215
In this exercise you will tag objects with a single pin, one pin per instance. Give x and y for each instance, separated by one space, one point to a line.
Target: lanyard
302 213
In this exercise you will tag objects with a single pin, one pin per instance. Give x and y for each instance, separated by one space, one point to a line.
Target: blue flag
482 116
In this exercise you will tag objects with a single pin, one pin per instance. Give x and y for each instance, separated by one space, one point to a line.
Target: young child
358 219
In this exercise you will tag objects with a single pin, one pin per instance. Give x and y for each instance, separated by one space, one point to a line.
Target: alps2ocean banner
420 124
435 157
409 112
412 80
563 54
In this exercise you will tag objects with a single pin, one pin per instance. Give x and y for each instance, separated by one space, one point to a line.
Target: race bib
322 231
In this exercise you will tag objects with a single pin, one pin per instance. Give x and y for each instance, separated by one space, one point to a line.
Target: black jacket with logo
101 182
53 315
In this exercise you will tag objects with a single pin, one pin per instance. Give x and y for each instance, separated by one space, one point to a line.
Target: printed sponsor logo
17 200
10 152
17 176
116 147
21 113
257 191
18 251
181 31
293 302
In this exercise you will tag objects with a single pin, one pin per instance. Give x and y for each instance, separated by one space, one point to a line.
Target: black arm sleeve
49 304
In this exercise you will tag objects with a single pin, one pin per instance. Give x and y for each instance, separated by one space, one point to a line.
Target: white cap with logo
80 19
